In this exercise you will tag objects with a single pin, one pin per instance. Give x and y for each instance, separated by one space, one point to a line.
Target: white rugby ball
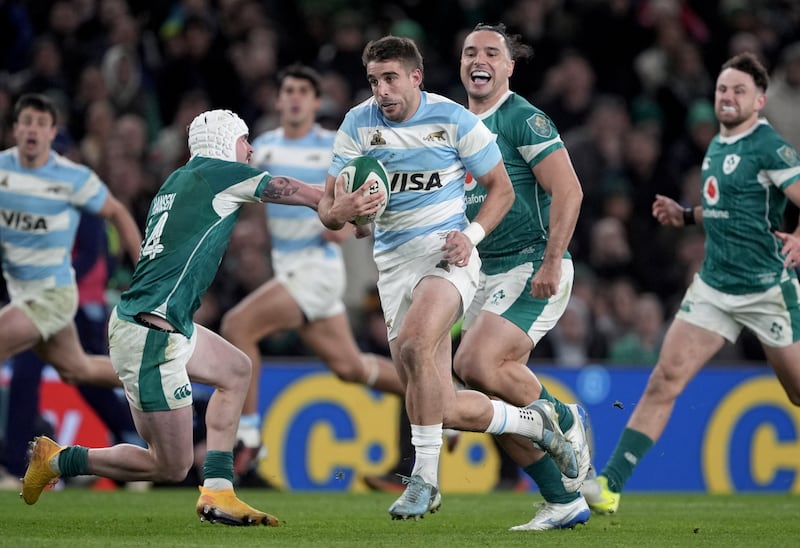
366 169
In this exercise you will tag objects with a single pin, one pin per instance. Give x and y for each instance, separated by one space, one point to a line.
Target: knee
175 472
468 369
348 371
409 353
664 382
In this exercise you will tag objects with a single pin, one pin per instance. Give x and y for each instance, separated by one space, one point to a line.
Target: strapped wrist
475 233
688 216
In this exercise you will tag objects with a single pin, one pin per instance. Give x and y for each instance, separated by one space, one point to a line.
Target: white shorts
151 364
50 310
769 314
314 280
396 284
508 295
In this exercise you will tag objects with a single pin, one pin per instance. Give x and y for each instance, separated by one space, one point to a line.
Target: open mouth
480 76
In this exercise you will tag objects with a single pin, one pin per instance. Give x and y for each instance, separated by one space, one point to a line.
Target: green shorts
151 364
508 294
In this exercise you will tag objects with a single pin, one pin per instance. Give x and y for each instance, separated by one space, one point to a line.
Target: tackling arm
290 191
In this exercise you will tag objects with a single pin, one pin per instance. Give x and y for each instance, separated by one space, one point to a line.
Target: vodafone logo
711 190
469 182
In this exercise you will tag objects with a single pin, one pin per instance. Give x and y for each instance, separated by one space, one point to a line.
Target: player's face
737 100
297 102
485 65
34 132
395 88
244 150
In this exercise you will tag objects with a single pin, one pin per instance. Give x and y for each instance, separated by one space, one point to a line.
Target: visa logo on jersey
416 181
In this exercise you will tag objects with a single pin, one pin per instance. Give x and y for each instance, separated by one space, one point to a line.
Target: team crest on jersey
377 138
729 163
435 136
789 155
540 125
711 190
706 163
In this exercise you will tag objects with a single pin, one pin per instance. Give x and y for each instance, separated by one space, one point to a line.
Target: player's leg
219 364
19 332
332 340
785 361
422 340
64 352
23 406
685 350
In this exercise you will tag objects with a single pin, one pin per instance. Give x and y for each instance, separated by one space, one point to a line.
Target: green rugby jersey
189 225
525 136
743 203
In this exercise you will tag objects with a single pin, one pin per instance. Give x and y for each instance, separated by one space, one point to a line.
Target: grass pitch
78 517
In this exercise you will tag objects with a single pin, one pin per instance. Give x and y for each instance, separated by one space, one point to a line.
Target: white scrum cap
214 133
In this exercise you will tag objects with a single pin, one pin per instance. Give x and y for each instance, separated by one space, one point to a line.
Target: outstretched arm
290 191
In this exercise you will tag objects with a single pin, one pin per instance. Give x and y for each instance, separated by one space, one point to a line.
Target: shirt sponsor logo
25 222
711 190
415 181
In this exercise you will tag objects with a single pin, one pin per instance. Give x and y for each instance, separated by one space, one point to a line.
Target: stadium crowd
628 83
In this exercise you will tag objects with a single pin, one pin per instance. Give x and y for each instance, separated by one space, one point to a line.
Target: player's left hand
790 249
457 248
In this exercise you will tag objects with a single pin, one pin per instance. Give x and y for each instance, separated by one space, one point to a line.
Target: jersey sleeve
476 145
782 164
537 137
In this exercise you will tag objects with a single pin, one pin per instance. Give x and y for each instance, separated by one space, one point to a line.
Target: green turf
83 518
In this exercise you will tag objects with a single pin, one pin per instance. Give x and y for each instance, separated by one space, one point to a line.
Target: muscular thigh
399 289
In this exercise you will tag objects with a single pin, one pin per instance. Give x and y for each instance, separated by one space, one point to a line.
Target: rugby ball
367 173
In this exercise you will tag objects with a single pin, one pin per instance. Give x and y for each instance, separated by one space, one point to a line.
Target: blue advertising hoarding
733 429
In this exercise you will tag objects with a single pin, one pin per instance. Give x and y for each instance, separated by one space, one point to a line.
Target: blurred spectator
783 96
44 73
610 252
16 35
640 346
98 125
688 150
170 149
200 60
568 91
572 342
596 150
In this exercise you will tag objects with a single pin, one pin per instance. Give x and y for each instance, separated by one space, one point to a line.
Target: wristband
688 216
475 233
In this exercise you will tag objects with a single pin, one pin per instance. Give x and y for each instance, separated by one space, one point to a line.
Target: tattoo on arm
279 188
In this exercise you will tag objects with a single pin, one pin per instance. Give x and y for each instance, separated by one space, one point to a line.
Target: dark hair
748 63
516 49
393 48
36 101
302 72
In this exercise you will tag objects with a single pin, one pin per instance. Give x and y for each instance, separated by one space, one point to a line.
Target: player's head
741 91
299 91
488 56
394 72
35 128
218 134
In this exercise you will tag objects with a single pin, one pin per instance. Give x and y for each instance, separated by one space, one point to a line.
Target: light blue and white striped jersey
427 158
308 159
39 214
